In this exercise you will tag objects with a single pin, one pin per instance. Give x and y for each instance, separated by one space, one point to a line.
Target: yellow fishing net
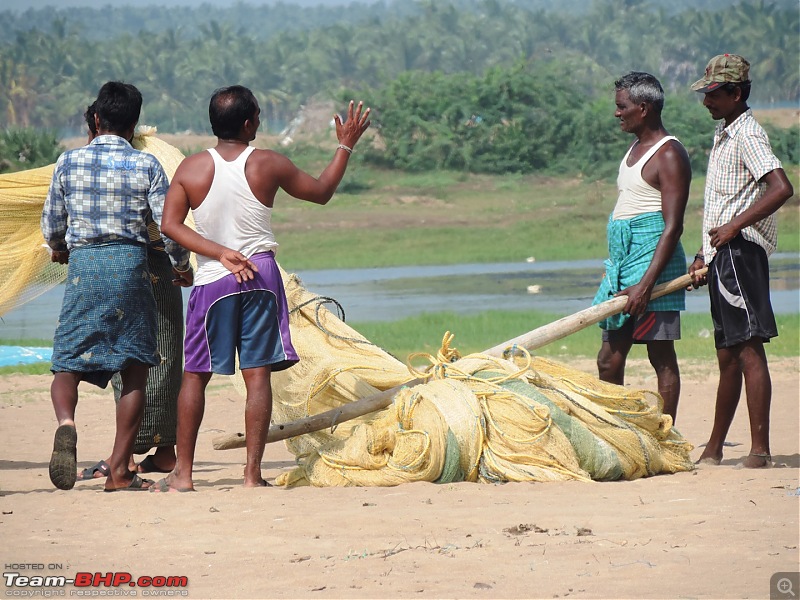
476 418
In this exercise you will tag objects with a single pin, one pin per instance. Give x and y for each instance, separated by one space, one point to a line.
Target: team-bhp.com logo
94 584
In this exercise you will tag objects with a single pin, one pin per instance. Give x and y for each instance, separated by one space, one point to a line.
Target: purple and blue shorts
251 318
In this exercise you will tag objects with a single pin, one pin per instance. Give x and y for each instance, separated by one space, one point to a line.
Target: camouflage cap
722 69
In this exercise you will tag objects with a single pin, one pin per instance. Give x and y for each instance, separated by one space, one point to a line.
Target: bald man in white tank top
644 240
238 303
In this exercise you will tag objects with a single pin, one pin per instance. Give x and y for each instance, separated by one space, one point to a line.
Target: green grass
451 218
390 218
32 369
28 342
474 333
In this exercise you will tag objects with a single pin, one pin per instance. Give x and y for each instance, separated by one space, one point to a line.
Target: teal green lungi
631 246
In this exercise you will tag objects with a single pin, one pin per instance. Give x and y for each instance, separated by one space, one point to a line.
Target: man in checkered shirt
745 186
95 218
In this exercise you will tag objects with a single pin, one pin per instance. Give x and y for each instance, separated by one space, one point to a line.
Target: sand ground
716 532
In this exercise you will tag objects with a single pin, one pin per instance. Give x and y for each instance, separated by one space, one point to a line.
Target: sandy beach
716 532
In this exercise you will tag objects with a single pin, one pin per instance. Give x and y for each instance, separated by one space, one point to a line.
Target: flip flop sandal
89 473
63 462
137 484
162 487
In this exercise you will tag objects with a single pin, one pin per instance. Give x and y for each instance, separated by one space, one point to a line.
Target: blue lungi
108 315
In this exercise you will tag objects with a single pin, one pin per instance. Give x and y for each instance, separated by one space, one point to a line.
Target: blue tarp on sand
20 355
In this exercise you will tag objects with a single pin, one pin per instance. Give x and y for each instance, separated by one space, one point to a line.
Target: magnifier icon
785 587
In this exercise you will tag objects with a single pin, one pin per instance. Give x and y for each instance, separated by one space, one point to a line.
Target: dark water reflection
392 293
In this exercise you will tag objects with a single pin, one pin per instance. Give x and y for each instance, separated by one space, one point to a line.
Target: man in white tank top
644 240
238 304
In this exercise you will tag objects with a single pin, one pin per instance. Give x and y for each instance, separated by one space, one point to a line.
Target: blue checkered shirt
741 155
105 192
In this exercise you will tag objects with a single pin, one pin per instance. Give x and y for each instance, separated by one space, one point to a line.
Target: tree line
466 84
526 118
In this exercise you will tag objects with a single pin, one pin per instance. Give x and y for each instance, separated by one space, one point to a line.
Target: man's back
105 188
230 214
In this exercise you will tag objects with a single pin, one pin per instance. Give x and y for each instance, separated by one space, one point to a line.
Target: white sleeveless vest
636 196
231 216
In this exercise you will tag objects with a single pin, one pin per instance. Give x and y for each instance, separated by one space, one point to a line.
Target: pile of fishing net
475 418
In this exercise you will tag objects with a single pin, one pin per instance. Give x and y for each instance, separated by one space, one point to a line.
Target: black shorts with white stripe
738 285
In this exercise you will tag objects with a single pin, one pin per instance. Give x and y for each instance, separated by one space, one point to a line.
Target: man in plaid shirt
95 218
745 186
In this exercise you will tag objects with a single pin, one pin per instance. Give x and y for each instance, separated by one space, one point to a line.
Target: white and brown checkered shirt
741 155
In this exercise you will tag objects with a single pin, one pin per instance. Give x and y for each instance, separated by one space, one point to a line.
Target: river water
385 294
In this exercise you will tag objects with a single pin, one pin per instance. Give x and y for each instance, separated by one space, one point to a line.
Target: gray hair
642 87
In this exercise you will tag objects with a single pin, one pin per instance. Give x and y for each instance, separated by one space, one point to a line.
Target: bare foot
257 484
755 460
709 458
153 463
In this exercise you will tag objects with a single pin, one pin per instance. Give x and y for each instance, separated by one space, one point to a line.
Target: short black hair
642 87
731 86
229 108
91 111
118 106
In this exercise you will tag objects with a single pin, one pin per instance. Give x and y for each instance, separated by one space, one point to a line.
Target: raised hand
349 132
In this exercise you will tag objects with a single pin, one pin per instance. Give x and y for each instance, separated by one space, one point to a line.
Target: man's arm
54 216
155 199
320 190
779 190
674 178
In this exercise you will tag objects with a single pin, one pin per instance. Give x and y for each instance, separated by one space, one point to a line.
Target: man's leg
611 359
191 406
63 460
257 415
160 461
728 392
64 395
758 386
130 409
665 362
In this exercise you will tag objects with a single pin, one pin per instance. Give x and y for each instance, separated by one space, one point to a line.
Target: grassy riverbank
384 218
381 218
474 333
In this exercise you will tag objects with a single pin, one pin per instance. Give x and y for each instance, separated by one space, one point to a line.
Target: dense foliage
480 85
526 118
22 149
